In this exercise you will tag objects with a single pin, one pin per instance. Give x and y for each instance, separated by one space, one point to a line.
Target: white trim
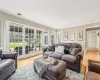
23 33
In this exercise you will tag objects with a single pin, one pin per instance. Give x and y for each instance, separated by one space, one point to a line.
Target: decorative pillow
59 49
56 49
75 51
61 46
1 55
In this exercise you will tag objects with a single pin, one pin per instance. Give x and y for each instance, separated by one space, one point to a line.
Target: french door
25 40
16 39
38 40
29 41
45 38
93 39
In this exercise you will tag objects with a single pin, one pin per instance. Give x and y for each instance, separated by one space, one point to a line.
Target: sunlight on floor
26 61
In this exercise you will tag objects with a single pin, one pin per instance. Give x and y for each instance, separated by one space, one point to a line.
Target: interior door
91 39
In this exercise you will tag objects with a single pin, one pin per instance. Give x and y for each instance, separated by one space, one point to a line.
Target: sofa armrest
49 48
11 55
80 55
94 66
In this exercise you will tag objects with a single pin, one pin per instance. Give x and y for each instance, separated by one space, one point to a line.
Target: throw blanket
41 65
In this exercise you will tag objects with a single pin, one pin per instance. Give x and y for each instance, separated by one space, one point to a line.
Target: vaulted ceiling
55 13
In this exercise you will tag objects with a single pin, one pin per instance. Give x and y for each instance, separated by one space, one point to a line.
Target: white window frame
23 28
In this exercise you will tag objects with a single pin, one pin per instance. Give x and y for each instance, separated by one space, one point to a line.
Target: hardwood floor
84 65
92 56
26 61
88 55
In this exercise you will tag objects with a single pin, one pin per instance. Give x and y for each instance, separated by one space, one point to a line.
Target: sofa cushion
1 54
75 51
5 64
68 58
66 51
93 76
56 55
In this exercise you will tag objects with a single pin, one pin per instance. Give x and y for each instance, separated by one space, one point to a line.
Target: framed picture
80 35
66 36
73 36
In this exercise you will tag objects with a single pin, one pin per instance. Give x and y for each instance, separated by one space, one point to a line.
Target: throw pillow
75 51
1 55
59 49
62 48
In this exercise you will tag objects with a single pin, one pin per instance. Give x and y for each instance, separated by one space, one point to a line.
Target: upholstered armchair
8 65
10 55
93 70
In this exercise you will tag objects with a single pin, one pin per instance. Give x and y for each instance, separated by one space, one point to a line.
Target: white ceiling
55 13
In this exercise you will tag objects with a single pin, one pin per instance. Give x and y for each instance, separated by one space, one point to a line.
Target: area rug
27 73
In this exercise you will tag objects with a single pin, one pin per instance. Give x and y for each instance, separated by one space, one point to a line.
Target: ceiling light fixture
97 19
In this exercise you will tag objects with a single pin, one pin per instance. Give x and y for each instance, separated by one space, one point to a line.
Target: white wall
76 30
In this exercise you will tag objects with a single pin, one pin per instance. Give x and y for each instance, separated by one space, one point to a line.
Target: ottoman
55 72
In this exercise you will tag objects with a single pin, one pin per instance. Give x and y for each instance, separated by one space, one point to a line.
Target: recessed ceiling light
97 19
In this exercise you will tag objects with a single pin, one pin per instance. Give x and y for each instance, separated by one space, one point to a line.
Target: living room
49 40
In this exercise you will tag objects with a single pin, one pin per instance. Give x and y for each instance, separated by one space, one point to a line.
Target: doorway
93 39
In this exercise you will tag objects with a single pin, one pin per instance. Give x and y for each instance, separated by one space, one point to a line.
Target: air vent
19 14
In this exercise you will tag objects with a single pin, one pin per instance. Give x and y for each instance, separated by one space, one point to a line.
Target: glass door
52 39
38 40
15 39
45 38
25 40
29 40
